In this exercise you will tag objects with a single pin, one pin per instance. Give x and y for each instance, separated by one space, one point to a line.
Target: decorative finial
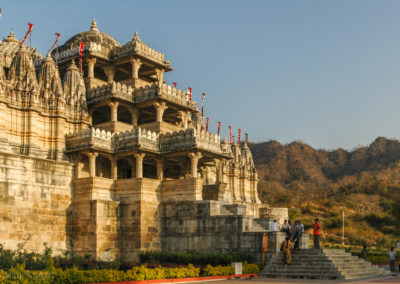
11 37
94 25
136 36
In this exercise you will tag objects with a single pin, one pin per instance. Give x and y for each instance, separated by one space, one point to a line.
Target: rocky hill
311 182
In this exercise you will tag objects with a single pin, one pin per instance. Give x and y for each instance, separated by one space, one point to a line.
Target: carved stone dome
93 35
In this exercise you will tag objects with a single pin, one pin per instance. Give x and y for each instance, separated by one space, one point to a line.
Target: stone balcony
110 90
164 92
102 140
142 94
190 138
90 138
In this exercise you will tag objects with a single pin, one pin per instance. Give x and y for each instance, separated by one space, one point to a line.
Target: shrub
194 258
74 275
218 270
250 268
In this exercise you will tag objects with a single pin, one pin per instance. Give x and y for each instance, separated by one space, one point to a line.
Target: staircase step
321 264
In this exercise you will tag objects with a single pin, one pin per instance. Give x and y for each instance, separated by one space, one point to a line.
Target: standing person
293 232
364 253
286 246
286 228
299 230
317 233
392 258
275 226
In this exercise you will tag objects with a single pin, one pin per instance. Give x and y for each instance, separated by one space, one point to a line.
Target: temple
113 161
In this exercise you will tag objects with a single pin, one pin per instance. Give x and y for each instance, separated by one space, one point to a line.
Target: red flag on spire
27 33
240 132
80 55
174 84
202 105
219 126
208 121
190 94
58 37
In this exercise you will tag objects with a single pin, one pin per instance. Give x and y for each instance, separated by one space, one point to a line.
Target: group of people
293 236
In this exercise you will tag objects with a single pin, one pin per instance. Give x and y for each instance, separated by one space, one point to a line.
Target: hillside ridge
316 182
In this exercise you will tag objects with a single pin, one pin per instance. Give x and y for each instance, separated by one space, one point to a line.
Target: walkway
259 280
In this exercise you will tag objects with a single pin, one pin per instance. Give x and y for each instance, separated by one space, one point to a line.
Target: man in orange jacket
317 233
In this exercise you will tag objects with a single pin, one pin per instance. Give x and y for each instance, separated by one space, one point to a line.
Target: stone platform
321 264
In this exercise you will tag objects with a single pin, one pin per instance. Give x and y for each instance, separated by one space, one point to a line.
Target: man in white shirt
392 258
275 227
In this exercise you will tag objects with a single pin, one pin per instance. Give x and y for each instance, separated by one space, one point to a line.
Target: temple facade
113 161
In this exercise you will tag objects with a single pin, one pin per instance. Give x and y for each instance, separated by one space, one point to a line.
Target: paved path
260 280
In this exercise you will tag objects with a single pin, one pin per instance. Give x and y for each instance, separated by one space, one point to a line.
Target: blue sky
323 72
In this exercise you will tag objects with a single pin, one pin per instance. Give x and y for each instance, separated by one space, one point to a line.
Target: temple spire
136 37
94 25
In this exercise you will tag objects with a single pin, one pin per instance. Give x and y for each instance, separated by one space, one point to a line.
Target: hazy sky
323 72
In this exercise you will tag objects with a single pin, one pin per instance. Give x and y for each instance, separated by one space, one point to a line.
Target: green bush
194 258
218 270
74 275
250 268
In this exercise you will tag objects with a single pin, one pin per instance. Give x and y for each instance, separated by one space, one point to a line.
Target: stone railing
174 141
110 90
90 138
189 138
91 47
135 138
165 92
140 48
208 141
65 54
146 139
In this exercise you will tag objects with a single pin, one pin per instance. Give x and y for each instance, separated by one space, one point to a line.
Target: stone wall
279 214
208 226
35 199
139 224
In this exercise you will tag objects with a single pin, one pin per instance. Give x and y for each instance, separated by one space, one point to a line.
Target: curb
184 280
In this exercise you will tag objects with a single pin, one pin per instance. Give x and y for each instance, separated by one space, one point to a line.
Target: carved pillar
136 63
139 164
92 163
160 168
184 117
218 169
110 72
160 75
114 168
194 160
91 62
114 110
204 174
135 116
160 108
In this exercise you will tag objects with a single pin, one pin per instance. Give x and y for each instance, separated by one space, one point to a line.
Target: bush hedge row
74 275
197 258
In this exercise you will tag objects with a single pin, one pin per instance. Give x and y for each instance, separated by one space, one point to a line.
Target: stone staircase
321 264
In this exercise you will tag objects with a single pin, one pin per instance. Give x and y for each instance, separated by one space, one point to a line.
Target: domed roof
93 35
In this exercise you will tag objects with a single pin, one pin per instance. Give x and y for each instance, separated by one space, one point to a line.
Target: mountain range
365 182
